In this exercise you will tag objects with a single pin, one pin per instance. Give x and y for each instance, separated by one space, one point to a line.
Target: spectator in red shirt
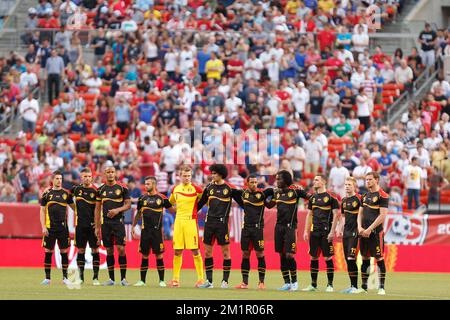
333 64
234 66
326 38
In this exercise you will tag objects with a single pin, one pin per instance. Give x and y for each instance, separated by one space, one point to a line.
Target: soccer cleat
381 292
108 283
224 284
140 283
199 283
361 290
349 290
95 282
67 282
353 290
242 286
329 288
124 283
174 284
206 285
162 284
285 287
294 286
45 282
310 288
261 286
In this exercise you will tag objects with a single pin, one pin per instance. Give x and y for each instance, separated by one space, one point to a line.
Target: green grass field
24 283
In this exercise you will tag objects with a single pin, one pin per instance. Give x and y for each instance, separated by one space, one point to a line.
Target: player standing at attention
253 203
286 198
53 217
113 200
217 195
370 227
349 212
85 196
185 230
150 207
323 211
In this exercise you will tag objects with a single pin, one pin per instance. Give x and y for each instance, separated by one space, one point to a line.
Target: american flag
236 214
17 183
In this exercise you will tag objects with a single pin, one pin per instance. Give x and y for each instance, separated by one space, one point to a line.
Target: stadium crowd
303 67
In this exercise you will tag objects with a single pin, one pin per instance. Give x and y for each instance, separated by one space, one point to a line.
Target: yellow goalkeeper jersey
186 197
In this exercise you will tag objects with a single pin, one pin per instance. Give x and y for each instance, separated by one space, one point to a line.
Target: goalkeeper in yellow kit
185 197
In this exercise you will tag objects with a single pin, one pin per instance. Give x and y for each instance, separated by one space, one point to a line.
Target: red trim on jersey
333 195
68 191
187 194
161 195
197 188
230 185
122 185
382 193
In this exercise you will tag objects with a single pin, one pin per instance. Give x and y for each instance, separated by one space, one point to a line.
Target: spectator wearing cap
427 39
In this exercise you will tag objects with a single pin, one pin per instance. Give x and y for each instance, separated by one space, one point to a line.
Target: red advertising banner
399 258
19 220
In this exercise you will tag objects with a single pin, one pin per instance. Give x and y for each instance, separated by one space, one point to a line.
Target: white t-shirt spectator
297 152
300 99
186 61
312 150
29 109
361 171
171 61
171 157
273 70
362 102
337 180
232 105
413 175
28 79
403 75
253 69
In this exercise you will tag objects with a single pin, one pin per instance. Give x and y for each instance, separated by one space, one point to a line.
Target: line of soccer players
99 216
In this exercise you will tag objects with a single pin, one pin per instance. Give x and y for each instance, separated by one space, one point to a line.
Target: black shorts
113 234
62 235
252 238
372 246
151 238
351 247
216 231
285 239
84 235
319 244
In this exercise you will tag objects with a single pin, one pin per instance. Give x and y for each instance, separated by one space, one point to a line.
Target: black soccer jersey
85 200
287 205
152 208
350 209
112 197
372 202
55 203
322 206
218 198
253 204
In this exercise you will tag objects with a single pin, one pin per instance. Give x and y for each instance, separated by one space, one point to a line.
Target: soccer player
370 227
113 199
286 198
218 196
85 196
349 212
185 230
150 207
323 211
253 203
53 217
